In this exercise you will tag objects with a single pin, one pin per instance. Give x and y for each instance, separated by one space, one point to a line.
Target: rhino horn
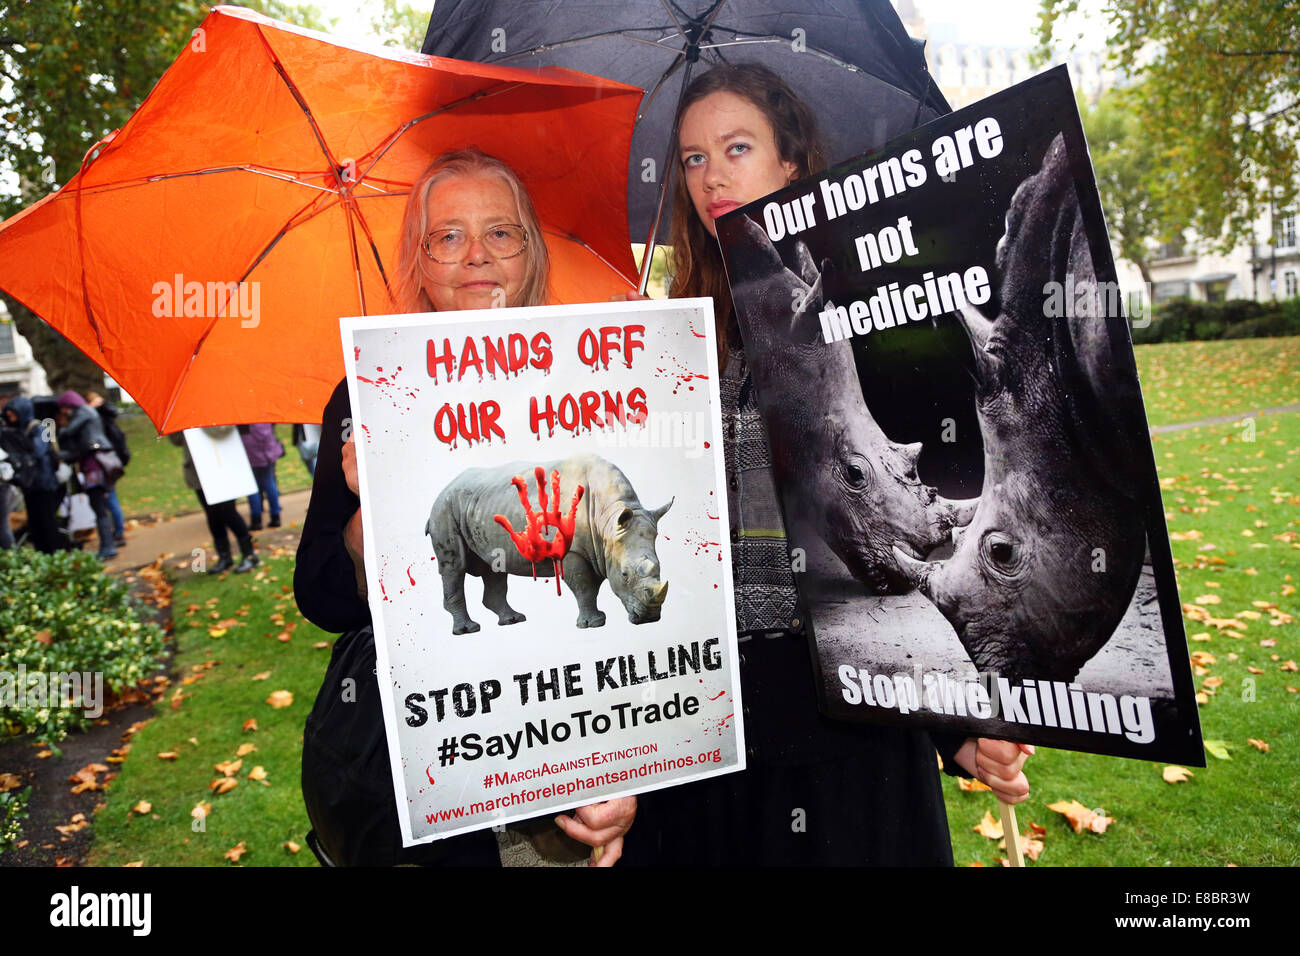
657 513
658 594
917 572
963 510
979 330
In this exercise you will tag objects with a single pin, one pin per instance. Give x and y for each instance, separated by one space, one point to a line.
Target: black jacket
324 580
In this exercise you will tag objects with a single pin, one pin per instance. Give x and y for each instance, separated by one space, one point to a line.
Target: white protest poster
221 463
543 495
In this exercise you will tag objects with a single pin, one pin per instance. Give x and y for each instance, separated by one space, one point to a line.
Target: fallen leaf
168 755
1202 697
257 773
988 827
1176 774
1218 748
1268 642
291 846
262 676
1204 658
244 750
134 863
144 806
1208 599
228 768
972 786
321 645
1290 666
1080 817
1257 744
236 851
43 637
9 781
216 631
1210 683
1030 846
280 698
201 810
250 724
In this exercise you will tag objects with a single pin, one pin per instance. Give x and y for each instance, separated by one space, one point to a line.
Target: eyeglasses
450 246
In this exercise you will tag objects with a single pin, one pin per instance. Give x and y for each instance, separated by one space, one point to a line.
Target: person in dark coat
223 517
346 774
107 412
263 449
44 492
814 791
80 438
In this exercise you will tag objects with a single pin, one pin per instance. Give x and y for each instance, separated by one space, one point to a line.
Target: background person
107 412
263 450
40 485
81 442
223 517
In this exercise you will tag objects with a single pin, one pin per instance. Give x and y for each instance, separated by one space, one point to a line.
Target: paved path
1224 419
177 538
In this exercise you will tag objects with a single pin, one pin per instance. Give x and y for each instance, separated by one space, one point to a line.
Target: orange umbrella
280 159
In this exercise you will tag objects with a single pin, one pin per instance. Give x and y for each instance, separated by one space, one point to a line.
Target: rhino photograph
940 351
495 522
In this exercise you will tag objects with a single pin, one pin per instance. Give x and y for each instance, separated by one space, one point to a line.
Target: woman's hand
632 296
997 763
601 825
350 465
353 537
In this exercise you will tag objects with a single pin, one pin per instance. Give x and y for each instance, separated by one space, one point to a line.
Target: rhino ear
624 518
657 513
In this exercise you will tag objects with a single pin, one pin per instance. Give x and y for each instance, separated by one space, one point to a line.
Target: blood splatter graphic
530 541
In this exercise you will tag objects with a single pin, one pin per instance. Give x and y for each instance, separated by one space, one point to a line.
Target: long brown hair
696 262
408 288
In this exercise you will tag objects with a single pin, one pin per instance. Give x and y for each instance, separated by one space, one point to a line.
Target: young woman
815 791
470 240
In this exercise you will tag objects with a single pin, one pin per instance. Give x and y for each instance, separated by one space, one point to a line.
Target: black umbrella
852 62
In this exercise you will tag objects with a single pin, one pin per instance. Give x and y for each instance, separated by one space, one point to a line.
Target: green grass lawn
227 638
1231 506
153 483
1191 381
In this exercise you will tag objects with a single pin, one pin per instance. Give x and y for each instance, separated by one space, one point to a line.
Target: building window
1286 231
1172 250
1290 284
1216 291
6 338
1178 289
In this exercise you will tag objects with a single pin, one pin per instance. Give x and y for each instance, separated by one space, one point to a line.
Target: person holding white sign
814 791
470 240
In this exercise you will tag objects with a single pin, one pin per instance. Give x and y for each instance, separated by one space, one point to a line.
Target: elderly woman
470 240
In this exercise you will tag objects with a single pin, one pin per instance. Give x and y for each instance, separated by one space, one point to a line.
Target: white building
20 373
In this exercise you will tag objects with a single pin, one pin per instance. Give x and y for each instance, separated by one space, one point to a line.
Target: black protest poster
942 360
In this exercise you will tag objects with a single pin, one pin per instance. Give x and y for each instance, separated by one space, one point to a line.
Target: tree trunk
66 366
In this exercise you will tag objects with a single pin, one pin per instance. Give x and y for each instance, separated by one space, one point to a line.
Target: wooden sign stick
1011 832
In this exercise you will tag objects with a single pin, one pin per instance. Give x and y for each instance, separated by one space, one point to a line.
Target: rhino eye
854 474
1003 552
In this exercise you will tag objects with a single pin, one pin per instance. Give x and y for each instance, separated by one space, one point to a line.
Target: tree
1124 158
401 25
70 73
1218 93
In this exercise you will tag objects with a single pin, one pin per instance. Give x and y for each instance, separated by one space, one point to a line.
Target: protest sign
942 360
500 453
221 464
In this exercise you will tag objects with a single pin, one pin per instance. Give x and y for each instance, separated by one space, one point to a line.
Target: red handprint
530 542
